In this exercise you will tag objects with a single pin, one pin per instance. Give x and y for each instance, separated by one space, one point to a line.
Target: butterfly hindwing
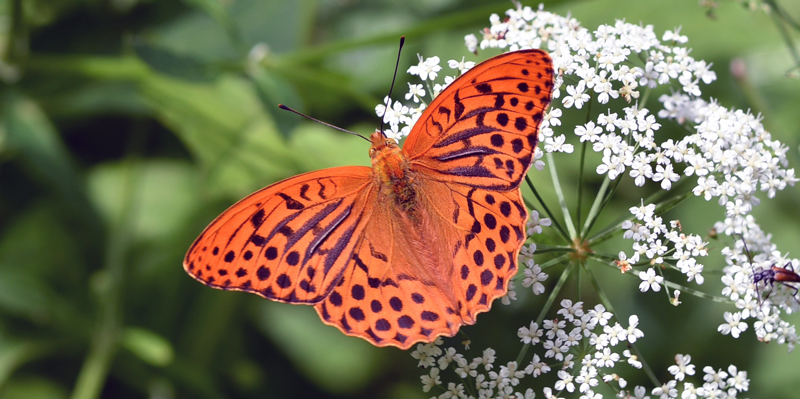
413 280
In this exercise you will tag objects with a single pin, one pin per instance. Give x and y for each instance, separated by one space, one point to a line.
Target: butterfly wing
481 131
290 241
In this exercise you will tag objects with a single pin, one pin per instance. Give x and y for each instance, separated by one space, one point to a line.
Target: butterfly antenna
285 108
396 65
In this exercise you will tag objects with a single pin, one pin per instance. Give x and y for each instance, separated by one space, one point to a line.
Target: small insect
775 274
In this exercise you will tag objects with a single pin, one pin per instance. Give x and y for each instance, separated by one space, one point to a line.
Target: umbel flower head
725 157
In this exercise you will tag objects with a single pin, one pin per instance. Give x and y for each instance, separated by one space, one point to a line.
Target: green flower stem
699 294
580 182
780 17
594 212
560 195
644 97
553 248
106 336
669 204
547 210
581 166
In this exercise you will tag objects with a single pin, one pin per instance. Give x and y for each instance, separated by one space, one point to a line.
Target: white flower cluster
661 245
585 347
718 383
730 155
766 301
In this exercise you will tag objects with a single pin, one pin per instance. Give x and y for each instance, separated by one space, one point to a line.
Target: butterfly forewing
482 130
288 242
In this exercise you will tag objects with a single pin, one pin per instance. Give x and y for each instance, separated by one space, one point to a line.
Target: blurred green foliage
127 125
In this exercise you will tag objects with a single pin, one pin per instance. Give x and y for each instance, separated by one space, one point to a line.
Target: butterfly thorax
390 169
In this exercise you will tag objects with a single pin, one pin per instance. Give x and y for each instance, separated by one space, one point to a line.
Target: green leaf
225 128
36 144
33 388
148 346
165 195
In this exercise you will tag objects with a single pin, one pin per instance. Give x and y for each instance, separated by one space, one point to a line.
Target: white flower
633 333
738 379
534 277
733 325
650 281
530 335
683 367
427 68
535 224
430 380
471 42
565 382
415 92
426 353
643 212
570 311
462 66
588 132
633 360
576 97
666 176
537 367
557 144
667 390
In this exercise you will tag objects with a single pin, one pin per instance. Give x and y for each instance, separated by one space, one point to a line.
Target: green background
127 126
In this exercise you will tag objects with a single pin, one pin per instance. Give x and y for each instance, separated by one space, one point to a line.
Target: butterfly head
382 144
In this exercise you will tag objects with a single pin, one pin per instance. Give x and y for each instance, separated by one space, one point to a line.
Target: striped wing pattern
290 241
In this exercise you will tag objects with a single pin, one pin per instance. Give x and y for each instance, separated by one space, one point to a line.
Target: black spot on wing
291 203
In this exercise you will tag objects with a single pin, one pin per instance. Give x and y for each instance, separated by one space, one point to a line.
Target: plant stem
560 195
106 335
547 210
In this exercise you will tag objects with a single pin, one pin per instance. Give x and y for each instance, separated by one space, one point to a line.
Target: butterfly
415 246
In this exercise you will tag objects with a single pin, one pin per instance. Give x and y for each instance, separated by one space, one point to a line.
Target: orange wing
483 128
288 242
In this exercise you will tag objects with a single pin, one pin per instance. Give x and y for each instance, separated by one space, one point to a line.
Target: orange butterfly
417 245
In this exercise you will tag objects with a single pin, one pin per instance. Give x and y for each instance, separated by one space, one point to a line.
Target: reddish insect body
776 274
